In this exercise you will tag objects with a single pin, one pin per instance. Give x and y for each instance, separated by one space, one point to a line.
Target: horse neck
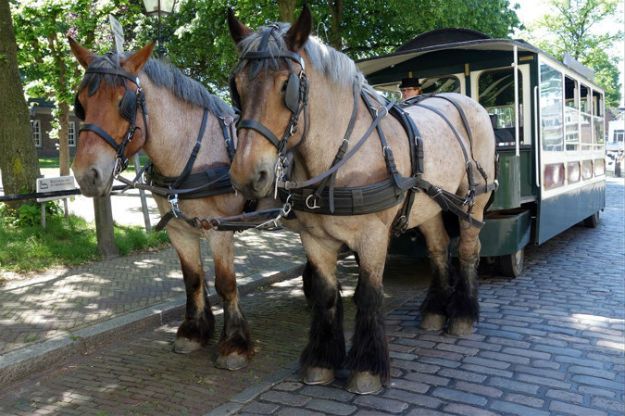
173 127
330 108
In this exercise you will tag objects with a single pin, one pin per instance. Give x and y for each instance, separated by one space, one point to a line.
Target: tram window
597 115
551 125
496 94
441 84
571 114
585 117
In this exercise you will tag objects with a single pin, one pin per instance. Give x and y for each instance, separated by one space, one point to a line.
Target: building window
71 140
35 126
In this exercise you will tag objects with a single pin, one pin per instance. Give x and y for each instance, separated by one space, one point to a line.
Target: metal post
43 214
516 99
144 202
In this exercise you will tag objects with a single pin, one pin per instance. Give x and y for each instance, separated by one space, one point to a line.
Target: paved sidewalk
58 304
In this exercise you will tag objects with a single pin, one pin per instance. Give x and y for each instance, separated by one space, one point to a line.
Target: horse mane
162 75
334 65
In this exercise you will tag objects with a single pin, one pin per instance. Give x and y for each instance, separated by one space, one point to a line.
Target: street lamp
159 8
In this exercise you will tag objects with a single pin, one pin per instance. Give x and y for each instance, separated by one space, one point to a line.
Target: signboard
60 183
118 34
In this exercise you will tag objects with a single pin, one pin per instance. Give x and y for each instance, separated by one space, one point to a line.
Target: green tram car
548 118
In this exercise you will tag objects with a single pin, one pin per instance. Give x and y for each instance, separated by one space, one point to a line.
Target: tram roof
458 39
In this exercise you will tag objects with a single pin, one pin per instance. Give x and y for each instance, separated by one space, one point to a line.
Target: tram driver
409 87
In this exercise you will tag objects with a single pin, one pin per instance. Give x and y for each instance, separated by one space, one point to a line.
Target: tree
201 44
46 63
571 27
18 156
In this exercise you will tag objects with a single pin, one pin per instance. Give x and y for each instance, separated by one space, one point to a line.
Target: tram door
494 89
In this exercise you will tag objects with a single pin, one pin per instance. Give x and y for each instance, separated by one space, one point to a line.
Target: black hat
410 83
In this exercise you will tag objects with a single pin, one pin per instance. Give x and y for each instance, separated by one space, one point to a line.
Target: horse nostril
95 176
262 177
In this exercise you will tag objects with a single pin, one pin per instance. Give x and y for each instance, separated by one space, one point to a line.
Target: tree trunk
287 10
64 159
18 157
63 113
336 16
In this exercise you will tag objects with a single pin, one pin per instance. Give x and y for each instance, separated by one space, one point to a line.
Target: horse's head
109 101
270 87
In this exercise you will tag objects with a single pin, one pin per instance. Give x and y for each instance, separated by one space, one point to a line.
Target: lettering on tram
548 120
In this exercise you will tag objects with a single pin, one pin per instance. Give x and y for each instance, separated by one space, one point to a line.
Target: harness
319 195
130 102
187 185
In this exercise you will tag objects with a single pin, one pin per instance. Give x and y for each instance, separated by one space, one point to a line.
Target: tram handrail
536 141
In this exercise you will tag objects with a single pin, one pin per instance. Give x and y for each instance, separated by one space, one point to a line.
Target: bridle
130 102
295 97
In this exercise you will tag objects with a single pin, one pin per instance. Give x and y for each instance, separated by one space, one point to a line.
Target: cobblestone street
550 342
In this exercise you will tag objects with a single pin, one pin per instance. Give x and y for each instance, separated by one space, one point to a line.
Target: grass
64 242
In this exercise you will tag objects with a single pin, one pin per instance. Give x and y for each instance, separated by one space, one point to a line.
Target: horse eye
284 85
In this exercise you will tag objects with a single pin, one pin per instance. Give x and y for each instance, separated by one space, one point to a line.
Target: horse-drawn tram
548 118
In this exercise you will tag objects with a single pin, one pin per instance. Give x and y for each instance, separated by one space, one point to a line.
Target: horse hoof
433 322
363 382
460 327
318 375
232 362
185 345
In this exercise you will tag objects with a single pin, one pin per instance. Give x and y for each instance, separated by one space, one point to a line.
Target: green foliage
571 28
199 40
29 215
25 246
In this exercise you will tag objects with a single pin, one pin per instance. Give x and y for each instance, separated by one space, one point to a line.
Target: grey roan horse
183 119
300 96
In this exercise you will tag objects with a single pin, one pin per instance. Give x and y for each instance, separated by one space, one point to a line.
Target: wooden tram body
549 124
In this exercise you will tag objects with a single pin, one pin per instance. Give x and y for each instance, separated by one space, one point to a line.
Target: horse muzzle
259 183
93 181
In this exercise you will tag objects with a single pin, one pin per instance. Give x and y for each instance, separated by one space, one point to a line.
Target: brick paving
550 342
142 376
60 302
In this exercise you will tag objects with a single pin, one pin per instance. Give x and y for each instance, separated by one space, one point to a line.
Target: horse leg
434 307
325 350
235 346
199 322
464 308
368 357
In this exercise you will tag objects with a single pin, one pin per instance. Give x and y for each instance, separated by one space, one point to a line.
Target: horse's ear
298 34
135 62
82 54
238 30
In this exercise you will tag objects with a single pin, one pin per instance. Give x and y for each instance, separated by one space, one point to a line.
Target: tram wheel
592 221
511 265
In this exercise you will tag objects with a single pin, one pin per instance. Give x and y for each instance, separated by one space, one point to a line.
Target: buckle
173 203
314 205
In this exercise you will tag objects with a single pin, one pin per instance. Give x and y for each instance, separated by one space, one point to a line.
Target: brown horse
302 97
184 119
